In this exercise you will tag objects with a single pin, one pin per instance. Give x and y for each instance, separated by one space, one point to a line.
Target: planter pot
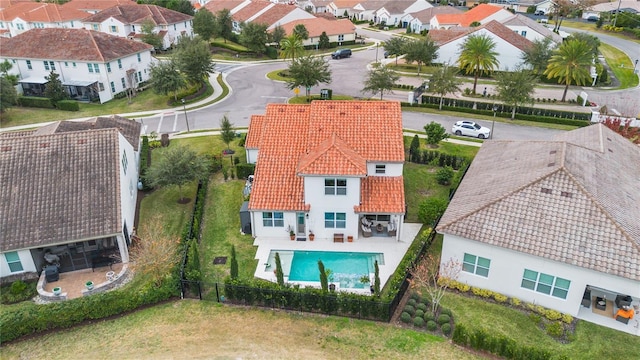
311 237
89 285
57 291
332 287
292 237
350 238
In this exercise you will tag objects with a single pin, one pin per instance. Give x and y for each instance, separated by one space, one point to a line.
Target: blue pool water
346 268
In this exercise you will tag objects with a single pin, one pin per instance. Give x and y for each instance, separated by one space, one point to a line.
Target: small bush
515 302
411 302
422 307
418 322
500 298
405 317
18 291
410 309
425 301
68 105
446 329
431 325
444 175
535 318
419 313
554 329
567 319
428 316
415 296
444 319
446 311
552 315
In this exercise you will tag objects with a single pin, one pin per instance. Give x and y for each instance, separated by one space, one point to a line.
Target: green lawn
621 66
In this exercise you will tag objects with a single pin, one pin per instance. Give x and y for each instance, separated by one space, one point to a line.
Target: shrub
554 329
552 315
37 102
405 317
418 322
422 307
431 209
515 302
411 302
446 311
444 319
68 105
444 175
410 309
419 313
429 316
500 298
244 170
431 325
414 296
425 301
535 318
566 318
446 329
18 291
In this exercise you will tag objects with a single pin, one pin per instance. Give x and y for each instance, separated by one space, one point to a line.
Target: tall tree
324 282
224 25
156 252
435 133
194 59
323 41
226 131
233 266
434 278
376 280
204 24
444 82
149 36
308 71
8 94
537 56
54 90
5 66
291 47
477 55
278 34
594 42
166 79
570 64
422 52
279 273
395 46
301 31
563 8
177 166
516 88
254 37
380 80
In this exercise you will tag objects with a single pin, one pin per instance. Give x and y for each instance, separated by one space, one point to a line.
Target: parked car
592 18
539 12
341 53
470 128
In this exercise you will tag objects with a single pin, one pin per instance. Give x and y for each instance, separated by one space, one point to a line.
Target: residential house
421 20
126 21
315 6
482 14
340 7
280 14
530 29
521 6
339 31
327 166
95 6
249 12
232 5
392 12
366 10
553 223
629 6
509 45
69 193
98 66
24 16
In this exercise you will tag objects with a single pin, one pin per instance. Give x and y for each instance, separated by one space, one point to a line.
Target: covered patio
72 284
33 86
81 90
605 307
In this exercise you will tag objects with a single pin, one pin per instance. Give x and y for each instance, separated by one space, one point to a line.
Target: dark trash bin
51 273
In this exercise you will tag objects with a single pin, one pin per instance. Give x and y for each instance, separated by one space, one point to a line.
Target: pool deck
393 252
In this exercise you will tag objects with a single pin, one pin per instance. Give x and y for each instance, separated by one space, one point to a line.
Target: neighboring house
126 21
509 45
232 5
339 7
95 6
530 29
248 12
315 6
392 12
420 20
25 16
95 66
366 10
69 189
338 30
325 166
629 6
280 14
521 6
553 223
482 13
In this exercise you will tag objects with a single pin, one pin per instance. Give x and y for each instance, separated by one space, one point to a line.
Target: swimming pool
346 267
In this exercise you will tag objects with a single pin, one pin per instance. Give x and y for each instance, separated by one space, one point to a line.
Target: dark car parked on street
341 53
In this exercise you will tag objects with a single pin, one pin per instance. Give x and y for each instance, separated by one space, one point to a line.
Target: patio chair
366 231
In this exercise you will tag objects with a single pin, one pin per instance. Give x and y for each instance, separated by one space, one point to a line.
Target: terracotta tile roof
341 4
59 188
250 10
215 5
333 156
335 130
574 200
255 132
4 4
521 20
380 194
95 5
45 12
316 26
441 36
425 15
444 36
137 14
274 14
88 45
477 13
14 11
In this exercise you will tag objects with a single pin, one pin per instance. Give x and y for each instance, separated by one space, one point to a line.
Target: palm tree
291 47
444 81
570 63
478 55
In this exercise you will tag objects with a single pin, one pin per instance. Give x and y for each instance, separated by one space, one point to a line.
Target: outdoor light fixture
186 119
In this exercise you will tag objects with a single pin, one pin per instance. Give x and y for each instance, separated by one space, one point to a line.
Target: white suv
470 128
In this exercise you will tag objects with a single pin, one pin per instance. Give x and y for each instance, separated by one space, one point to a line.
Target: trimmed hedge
244 170
68 105
36 102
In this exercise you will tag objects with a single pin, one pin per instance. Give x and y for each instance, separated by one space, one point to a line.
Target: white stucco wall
128 183
297 14
507 268
252 156
321 203
25 259
391 169
272 231
530 34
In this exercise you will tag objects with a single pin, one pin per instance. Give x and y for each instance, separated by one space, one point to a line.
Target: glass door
301 224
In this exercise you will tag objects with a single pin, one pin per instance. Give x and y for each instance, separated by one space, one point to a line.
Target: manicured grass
205 329
302 99
621 66
420 184
275 75
591 27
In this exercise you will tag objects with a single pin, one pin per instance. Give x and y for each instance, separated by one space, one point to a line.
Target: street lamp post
186 119
377 44
635 65
495 109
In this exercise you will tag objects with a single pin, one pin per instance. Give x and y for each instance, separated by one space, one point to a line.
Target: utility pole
617 11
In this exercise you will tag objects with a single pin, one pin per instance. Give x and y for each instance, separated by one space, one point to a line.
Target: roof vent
343 113
610 150
552 152
44 145
609 139
551 164
545 190
566 194
82 141
6 148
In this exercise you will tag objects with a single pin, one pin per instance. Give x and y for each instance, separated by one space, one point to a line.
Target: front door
301 231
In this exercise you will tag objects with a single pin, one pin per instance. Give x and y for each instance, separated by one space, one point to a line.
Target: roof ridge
93 40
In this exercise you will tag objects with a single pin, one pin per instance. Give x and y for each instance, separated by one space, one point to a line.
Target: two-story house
69 191
337 30
97 66
126 21
323 167
25 16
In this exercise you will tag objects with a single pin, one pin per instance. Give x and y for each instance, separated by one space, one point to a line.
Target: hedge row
438 158
244 170
144 165
36 102
68 105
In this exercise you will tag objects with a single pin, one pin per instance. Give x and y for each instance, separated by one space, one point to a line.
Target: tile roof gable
138 13
332 157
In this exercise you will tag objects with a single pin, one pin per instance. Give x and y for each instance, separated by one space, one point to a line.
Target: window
95 27
113 87
139 77
381 169
119 64
124 84
114 29
29 65
14 261
66 64
139 59
49 65
108 67
72 24
96 68
46 65
90 67
335 186
524 33
101 86
125 162
379 218
174 27
335 220
476 265
340 38
20 26
73 64
545 284
273 219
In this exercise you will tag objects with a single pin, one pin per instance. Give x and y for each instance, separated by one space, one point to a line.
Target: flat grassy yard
621 66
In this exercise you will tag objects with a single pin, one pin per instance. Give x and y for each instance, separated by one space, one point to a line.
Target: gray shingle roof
574 200
58 187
